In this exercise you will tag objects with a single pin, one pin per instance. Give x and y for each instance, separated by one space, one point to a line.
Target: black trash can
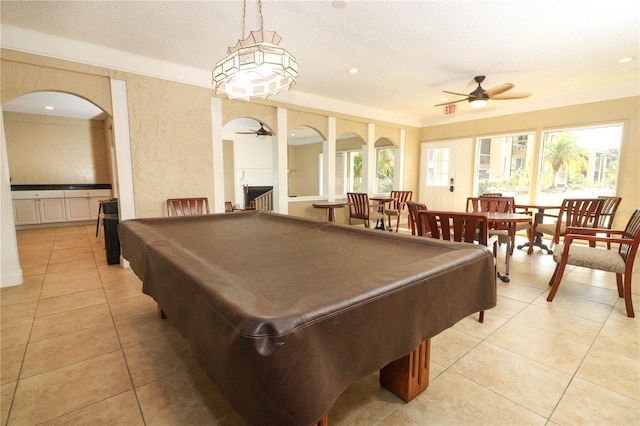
110 221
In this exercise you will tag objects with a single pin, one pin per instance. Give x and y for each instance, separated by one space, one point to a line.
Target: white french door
446 170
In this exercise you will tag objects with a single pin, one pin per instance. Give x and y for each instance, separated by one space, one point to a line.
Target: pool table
285 313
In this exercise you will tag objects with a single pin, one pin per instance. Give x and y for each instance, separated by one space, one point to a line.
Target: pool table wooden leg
161 312
408 376
324 421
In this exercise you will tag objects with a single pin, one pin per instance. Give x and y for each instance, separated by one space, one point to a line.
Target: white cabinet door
52 210
26 212
77 209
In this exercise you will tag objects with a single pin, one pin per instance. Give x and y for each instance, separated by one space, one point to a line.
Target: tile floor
82 345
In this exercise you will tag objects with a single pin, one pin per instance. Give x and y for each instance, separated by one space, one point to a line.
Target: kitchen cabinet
26 212
53 206
33 207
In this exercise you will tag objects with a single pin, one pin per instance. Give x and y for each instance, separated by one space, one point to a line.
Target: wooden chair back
491 204
608 212
359 206
413 208
195 206
631 232
228 207
579 212
400 199
454 226
492 194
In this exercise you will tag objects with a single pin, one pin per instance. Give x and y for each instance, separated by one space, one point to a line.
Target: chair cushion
502 234
591 257
549 228
391 212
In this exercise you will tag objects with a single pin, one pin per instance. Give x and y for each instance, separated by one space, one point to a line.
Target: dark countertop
66 186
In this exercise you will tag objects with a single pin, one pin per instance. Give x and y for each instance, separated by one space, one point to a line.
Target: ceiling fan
479 97
260 132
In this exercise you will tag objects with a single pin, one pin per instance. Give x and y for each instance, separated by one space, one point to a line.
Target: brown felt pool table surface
284 313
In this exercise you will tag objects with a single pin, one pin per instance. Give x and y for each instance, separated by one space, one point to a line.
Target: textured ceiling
564 52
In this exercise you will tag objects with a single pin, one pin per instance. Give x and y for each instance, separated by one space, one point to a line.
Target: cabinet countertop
68 186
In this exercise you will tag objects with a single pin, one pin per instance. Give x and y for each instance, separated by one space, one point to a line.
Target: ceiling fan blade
498 89
245 133
456 93
452 102
506 96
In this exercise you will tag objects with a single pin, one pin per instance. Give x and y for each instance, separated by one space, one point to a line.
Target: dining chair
492 194
228 207
413 208
194 206
456 226
360 208
574 212
396 207
608 213
619 262
494 204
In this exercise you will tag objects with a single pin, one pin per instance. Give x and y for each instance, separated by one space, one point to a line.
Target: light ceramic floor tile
134 330
68 287
27 292
183 399
538 387
11 363
50 326
88 272
6 397
57 352
121 409
450 345
52 394
526 339
456 400
15 333
18 312
360 405
612 371
69 302
151 362
585 403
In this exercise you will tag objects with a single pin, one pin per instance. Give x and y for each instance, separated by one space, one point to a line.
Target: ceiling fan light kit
256 67
479 97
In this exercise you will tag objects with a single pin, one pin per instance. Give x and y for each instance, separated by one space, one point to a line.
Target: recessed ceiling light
49 107
352 70
625 60
339 4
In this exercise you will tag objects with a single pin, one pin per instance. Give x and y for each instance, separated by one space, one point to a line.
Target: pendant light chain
244 17
261 17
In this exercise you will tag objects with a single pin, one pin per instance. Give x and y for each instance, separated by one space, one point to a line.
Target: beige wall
170 127
304 169
55 150
625 110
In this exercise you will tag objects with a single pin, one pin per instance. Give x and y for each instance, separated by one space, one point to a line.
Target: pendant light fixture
256 67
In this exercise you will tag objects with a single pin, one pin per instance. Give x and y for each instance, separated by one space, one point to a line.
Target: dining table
331 207
498 219
537 242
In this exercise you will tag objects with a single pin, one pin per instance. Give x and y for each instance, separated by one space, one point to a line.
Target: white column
329 150
218 155
398 162
369 161
281 183
122 141
10 271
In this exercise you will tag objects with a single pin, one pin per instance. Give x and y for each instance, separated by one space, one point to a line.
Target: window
503 165
384 169
437 167
354 171
579 163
